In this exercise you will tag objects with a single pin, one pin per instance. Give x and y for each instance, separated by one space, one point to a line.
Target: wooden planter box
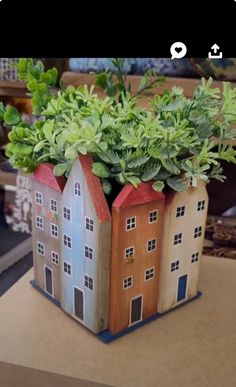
115 269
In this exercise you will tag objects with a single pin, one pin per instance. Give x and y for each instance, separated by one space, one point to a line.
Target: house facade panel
89 256
135 262
183 234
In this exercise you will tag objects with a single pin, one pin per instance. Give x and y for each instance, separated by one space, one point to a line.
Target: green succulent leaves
176 141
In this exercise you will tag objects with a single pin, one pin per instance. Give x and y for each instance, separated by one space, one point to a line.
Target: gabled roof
131 196
95 189
44 175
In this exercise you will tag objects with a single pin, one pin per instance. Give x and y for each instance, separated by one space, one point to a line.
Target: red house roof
95 189
131 196
44 175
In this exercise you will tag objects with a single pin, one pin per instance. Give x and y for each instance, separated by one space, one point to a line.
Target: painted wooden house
85 247
137 219
183 234
46 204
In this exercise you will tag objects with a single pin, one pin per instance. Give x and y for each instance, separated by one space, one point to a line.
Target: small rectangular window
54 257
128 282
177 239
88 282
38 198
40 248
39 222
67 213
180 211
77 189
88 252
67 241
67 268
153 216
151 244
174 265
149 273
89 224
130 223
54 230
197 232
195 257
54 205
201 205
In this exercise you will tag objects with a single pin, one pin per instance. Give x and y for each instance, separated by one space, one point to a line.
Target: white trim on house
44 275
39 222
54 260
131 278
133 222
174 265
150 215
74 315
52 205
152 273
201 205
130 310
197 232
89 277
43 248
56 230
195 257
38 196
180 211
69 264
178 239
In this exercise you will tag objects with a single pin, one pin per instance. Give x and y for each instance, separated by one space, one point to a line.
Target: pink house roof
131 196
44 175
95 189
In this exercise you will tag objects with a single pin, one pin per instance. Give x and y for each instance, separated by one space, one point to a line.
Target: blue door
182 287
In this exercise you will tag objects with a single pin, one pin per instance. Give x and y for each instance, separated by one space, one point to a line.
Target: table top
193 346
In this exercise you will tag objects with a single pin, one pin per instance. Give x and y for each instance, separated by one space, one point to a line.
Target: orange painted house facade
137 226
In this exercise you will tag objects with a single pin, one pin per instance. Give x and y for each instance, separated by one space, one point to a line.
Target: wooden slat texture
7 178
12 89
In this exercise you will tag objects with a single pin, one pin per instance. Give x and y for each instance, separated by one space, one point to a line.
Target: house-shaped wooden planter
115 269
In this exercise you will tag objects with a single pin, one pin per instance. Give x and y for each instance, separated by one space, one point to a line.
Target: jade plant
175 142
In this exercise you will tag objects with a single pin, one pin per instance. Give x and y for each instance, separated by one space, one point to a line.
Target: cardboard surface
192 346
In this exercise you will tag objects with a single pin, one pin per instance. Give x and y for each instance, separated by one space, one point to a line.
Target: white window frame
151 240
89 252
152 269
132 220
37 223
174 265
195 257
53 225
43 248
201 205
179 240
197 230
40 195
180 211
149 216
89 277
54 203
53 259
67 211
67 236
128 248
77 189
67 263
93 225
126 279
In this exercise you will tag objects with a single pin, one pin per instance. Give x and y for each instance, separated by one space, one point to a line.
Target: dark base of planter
107 336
